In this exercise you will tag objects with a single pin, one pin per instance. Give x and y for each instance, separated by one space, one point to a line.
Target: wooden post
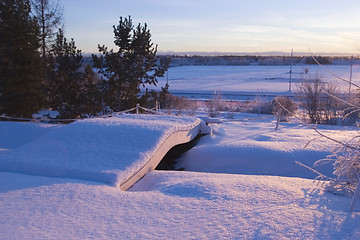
351 67
292 52
355 197
156 106
137 108
278 118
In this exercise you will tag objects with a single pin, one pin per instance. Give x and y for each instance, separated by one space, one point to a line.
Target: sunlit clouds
222 26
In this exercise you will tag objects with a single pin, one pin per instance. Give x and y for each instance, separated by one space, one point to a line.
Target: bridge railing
45 118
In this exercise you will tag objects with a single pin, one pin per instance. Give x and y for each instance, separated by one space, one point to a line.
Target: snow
250 204
251 79
59 181
253 147
108 150
16 134
174 205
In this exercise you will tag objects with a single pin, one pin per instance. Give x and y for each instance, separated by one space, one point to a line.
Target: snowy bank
109 150
249 144
174 205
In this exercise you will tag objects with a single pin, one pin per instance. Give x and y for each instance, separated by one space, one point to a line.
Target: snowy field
239 183
200 81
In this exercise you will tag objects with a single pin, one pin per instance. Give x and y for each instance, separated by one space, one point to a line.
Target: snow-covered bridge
117 151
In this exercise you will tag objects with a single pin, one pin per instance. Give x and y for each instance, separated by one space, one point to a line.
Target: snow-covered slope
174 205
108 150
254 147
177 205
16 134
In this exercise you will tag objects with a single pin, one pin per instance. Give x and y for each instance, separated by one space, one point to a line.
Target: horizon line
265 53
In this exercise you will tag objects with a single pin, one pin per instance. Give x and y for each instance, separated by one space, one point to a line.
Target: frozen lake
235 82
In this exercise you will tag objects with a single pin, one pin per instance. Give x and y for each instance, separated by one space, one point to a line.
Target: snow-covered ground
108 150
174 205
228 194
249 144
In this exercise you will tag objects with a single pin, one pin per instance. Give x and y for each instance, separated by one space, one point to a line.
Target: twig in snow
313 170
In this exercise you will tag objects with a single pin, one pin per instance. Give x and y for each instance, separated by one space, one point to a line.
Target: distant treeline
178 60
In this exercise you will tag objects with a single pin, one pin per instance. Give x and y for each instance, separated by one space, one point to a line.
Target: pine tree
164 95
64 86
133 65
89 102
20 62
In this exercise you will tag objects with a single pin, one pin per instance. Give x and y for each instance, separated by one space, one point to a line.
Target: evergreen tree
20 62
89 101
163 96
65 81
73 91
133 65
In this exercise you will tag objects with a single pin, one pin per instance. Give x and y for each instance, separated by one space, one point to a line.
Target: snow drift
85 149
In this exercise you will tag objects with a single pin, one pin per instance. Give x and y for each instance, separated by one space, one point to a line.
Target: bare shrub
214 105
320 101
284 107
332 108
351 111
347 162
191 107
178 104
261 106
309 95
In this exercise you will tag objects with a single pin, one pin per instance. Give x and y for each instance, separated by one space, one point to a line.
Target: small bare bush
352 112
284 107
309 95
260 106
214 105
178 104
320 101
332 108
346 162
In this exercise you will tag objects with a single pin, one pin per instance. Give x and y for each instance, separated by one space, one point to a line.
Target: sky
236 26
